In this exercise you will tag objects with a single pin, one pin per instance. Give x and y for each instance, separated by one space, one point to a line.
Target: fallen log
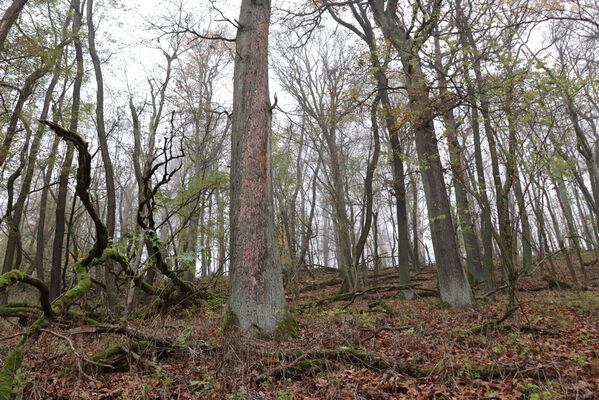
351 296
310 362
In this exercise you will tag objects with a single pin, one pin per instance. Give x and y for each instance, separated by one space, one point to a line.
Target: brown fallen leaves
554 356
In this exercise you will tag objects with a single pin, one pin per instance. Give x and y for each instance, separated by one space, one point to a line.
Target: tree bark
256 297
63 180
108 168
454 287
9 18
17 213
461 181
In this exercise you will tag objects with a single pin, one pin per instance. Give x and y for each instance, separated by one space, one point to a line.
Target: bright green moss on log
107 355
8 310
83 284
15 275
9 370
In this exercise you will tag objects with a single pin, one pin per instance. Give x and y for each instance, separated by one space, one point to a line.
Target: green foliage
285 394
531 392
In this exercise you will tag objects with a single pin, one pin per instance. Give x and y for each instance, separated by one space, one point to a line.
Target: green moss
83 285
9 370
531 392
287 327
11 277
384 306
443 305
230 319
5 310
105 356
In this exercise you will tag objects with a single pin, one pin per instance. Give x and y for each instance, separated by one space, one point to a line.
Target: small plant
531 392
241 394
285 394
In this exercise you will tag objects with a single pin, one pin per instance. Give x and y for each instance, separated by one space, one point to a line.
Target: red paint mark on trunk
263 161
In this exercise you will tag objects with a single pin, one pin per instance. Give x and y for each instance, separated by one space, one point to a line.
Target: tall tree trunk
40 239
572 232
17 214
526 236
461 181
256 297
63 180
105 152
368 196
481 185
454 287
416 233
24 94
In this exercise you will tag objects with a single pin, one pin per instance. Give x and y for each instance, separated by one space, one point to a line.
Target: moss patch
230 319
83 285
287 327
9 370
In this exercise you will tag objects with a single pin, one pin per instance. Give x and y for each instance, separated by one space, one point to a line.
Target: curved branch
13 276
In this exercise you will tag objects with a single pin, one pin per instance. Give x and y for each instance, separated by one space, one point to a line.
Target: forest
357 199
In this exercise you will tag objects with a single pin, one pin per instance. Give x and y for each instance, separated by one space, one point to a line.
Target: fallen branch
77 354
13 276
554 283
487 325
351 296
311 362
386 329
315 286
160 342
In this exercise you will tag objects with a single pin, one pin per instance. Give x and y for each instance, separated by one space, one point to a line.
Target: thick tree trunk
256 298
454 287
461 180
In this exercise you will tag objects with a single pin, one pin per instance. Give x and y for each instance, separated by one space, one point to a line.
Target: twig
79 356
12 336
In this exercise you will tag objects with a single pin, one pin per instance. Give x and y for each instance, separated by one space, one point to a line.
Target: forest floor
374 346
